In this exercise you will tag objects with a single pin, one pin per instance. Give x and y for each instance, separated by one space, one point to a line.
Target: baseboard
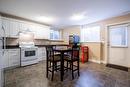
98 61
95 61
104 62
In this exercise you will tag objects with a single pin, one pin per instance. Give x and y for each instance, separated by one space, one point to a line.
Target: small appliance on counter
29 52
74 40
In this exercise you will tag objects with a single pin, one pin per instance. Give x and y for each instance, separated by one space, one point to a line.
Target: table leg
62 65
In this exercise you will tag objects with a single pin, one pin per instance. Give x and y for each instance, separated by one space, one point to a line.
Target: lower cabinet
14 57
41 53
11 58
6 59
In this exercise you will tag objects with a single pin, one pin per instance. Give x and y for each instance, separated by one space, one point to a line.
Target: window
118 36
55 34
90 34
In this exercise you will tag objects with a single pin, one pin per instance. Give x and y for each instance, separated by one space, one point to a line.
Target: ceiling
60 11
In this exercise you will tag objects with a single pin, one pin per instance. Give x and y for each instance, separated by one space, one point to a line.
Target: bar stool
71 58
51 61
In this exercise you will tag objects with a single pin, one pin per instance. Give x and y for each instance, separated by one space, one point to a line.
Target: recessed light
45 19
77 17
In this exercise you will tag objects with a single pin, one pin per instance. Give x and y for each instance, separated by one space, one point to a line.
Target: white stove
29 54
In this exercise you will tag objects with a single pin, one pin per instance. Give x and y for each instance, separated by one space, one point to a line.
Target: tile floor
91 75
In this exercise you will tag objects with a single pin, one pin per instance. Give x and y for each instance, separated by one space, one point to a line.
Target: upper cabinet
42 32
5 26
1 31
12 28
24 26
46 33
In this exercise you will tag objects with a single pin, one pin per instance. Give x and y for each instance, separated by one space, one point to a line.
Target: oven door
28 54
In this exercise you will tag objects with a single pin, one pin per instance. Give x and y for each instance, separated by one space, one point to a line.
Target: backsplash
12 41
15 41
42 42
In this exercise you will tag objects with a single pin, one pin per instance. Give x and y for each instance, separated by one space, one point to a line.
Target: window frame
126 36
52 31
89 27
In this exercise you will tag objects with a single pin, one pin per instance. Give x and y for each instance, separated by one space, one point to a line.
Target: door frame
106 59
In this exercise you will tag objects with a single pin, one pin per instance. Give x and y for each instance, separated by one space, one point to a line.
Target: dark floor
91 75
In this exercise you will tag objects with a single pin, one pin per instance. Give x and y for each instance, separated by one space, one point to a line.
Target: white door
119 42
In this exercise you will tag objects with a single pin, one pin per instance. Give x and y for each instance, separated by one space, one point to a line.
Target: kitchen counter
52 45
17 46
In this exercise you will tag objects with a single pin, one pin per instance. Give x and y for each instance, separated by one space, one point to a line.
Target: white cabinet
41 53
39 32
11 27
1 31
6 25
46 32
24 26
14 57
6 59
42 32
11 58
14 28
44 53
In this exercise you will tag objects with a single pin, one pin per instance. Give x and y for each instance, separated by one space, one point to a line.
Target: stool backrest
75 53
50 52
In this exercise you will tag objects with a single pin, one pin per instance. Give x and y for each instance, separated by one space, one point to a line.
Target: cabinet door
44 53
46 32
6 25
14 57
40 54
6 59
1 31
23 26
39 32
42 32
14 28
33 29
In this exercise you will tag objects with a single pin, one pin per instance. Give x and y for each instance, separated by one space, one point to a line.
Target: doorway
119 45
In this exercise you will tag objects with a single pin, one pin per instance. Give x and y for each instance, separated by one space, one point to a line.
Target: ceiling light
45 19
77 17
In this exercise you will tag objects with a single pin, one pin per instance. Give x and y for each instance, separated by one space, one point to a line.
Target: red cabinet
84 54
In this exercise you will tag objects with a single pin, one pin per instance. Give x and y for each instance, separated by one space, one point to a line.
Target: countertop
17 46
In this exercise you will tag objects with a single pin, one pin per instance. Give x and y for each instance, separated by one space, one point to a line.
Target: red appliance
84 53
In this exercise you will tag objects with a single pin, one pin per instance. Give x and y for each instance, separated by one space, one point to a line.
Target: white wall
104 33
128 49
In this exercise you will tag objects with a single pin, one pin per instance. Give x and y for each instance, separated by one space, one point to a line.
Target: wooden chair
51 61
71 58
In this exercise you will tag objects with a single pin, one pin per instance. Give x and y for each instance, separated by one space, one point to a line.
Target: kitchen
18 35
26 32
